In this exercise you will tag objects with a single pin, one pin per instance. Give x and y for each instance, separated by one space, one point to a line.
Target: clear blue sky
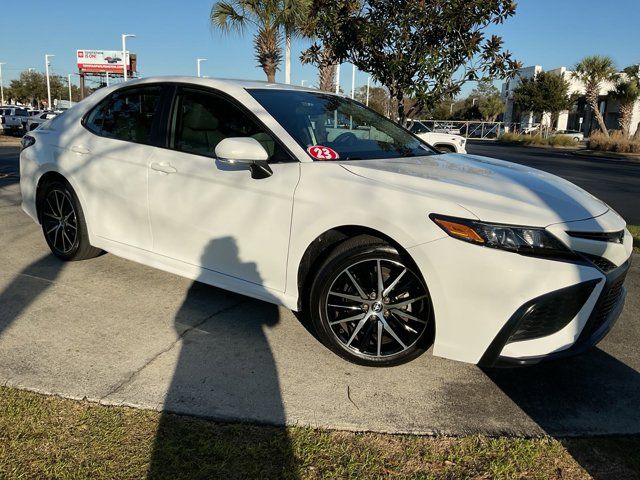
171 34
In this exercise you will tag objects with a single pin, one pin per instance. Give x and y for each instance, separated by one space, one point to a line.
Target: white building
578 118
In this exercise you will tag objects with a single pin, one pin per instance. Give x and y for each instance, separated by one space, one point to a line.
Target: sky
170 35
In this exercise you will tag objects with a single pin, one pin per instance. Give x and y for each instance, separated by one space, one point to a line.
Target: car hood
493 190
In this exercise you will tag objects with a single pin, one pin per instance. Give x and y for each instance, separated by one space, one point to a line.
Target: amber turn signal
459 230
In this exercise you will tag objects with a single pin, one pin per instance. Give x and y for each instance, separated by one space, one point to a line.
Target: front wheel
63 223
369 304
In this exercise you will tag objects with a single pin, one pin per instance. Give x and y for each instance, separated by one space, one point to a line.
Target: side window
201 120
21 113
126 115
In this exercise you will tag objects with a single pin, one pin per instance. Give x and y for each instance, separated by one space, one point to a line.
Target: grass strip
50 437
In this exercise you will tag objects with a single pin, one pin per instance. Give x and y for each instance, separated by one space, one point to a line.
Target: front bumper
603 317
480 295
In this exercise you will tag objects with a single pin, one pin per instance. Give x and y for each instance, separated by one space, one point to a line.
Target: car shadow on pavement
225 370
32 282
592 394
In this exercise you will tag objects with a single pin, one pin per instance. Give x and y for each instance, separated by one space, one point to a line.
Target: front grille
602 263
552 312
615 237
609 299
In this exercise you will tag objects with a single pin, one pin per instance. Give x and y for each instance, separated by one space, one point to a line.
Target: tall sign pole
1 85
124 54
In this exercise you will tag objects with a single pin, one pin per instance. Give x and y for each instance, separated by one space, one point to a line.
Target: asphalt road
615 181
116 332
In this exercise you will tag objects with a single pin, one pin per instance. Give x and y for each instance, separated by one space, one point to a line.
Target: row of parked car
16 119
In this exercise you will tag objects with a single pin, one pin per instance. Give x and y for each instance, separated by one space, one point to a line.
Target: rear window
22 113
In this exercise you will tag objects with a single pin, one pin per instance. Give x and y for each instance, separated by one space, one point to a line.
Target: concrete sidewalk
119 333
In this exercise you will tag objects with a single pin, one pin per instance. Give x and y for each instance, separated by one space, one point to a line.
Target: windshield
330 127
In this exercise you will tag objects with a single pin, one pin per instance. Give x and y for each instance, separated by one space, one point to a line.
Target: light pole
124 53
1 85
46 67
198 61
69 82
302 83
107 79
353 82
338 78
368 83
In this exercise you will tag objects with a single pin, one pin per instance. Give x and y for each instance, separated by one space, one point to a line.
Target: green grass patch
50 437
537 140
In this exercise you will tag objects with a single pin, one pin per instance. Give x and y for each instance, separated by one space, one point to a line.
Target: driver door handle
163 167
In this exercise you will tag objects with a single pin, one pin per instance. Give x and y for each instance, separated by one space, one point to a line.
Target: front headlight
524 240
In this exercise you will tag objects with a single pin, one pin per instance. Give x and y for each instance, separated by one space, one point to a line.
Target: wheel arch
318 250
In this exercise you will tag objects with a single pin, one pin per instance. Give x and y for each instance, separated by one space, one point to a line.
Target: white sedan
312 201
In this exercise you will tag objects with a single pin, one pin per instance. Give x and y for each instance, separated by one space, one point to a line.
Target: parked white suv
278 193
443 142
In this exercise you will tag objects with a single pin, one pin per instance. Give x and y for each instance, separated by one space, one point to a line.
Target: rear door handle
80 150
163 167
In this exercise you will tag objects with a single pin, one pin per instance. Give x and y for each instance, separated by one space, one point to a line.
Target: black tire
445 149
63 224
383 336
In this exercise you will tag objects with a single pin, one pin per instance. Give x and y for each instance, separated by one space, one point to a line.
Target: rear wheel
63 223
369 305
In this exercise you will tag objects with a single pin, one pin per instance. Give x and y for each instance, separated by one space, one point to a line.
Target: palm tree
594 72
627 91
265 16
293 17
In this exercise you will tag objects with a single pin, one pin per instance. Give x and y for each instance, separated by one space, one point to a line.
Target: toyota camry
313 201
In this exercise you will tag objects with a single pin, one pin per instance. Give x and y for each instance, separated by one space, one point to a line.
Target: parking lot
116 332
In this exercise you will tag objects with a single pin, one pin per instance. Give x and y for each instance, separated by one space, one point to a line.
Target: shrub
555 141
617 142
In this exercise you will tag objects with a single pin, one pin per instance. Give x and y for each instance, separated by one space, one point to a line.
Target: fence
473 129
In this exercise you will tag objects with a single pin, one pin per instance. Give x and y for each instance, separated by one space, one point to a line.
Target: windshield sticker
320 152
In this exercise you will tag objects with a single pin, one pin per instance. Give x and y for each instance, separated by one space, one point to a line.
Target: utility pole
124 53
46 66
198 62
1 85
69 81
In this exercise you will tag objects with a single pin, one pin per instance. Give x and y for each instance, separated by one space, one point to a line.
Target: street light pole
46 66
353 82
198 61
124 53
338 78
107 79
1 85
302 83
69 82
368 83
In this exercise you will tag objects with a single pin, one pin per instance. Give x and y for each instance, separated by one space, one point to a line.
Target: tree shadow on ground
225 370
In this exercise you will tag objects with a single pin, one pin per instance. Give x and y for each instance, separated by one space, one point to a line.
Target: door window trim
180 86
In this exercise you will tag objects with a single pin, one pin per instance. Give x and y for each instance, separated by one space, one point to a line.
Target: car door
215 216
111 156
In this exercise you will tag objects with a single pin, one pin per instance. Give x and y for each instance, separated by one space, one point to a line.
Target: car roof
223 83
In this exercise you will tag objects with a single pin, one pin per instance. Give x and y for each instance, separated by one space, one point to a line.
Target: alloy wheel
60 221
377 308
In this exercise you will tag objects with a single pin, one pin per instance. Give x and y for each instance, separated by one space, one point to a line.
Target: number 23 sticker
320 152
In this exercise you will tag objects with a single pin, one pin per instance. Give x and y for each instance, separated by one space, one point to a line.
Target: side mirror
244 152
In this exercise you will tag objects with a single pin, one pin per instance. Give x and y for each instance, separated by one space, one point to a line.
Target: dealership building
578 118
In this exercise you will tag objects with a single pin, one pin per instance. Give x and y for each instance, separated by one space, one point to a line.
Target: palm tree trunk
592 100
287 58
636 136
626 111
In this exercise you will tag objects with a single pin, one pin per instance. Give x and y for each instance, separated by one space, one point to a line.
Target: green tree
594 71
488 100
265 16
545 93
378 99
627 92
424 50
